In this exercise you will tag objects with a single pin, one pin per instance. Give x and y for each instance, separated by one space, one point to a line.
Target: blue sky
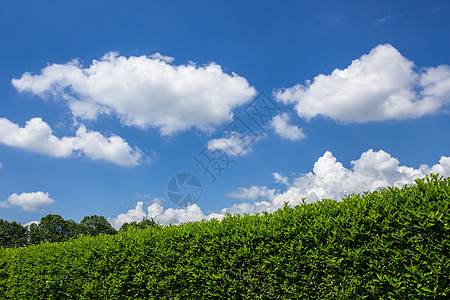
102 103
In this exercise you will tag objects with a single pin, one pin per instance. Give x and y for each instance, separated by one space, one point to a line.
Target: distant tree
95 225
72 230
53 228
34 234
145 223
125 226
12 234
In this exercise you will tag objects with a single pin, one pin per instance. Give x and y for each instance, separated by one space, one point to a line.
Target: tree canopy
52 228
95 225
12 234
145 223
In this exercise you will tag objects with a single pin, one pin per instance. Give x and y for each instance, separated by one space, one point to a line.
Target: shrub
389 244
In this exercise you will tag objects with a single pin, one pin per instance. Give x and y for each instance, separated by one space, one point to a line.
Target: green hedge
389 244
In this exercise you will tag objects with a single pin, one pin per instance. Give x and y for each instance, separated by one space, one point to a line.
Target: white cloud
252 193
28 201
182 215
373 170
248 208
37 136
1 165
156 211
381 85
280 178
442 168
290 132
328 179
234 144
114 149
32 222
143 91
436 83
136 214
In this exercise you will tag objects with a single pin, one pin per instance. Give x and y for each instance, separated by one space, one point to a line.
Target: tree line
53 228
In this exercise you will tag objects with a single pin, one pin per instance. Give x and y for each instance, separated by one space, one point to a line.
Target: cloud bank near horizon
329 179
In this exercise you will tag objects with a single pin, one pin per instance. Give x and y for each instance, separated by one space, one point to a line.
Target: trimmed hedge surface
389 244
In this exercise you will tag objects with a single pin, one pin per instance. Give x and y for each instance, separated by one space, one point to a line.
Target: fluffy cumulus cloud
156 211
380 85
182 215
328 179
285 130
143 91
37 136
28 201
31 222
373 170
436 83
136 214
113 149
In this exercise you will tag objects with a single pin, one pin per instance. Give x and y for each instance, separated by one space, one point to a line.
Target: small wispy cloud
233 144
252 193
382 20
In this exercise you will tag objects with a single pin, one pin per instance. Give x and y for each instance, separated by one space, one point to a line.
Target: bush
389 244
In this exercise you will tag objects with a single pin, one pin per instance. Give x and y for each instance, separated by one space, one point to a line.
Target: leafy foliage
96 225
389 244
145 223
12 234
53 228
